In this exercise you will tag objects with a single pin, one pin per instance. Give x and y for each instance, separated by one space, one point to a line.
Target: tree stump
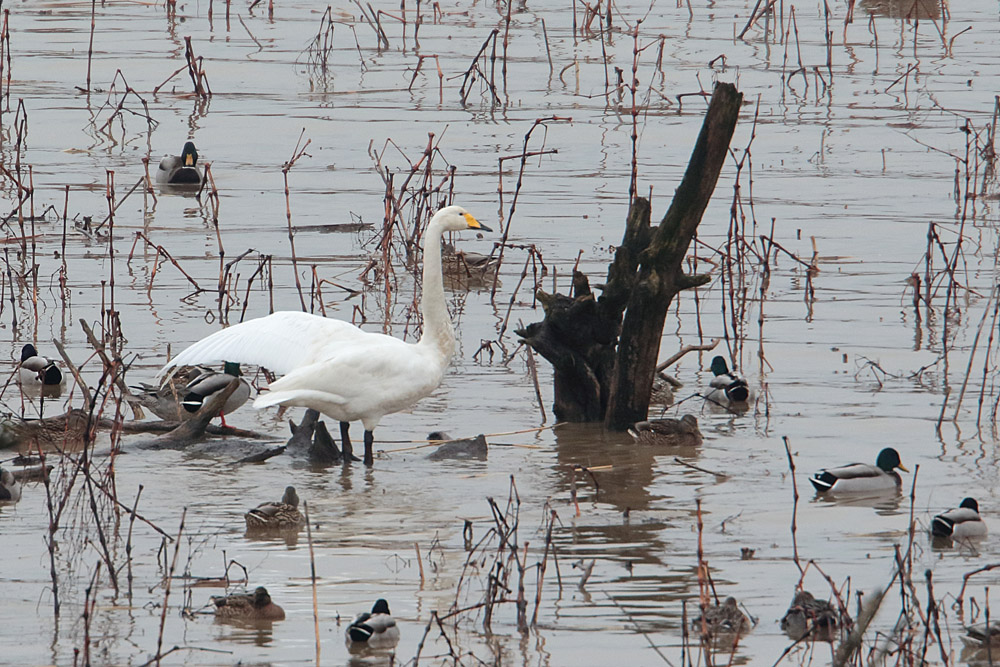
604 349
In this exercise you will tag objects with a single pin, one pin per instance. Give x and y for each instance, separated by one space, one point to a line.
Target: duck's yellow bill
903 468
475 224
189 160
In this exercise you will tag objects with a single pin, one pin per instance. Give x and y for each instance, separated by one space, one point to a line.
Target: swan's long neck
437 324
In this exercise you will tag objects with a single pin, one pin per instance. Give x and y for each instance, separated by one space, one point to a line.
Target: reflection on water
904 9
885 503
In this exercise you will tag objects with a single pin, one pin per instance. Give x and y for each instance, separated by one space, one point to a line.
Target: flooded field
870 168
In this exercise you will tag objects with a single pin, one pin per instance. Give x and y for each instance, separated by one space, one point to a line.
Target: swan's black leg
345 442
369 448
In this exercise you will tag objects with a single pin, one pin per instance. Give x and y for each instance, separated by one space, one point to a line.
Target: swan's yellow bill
475 224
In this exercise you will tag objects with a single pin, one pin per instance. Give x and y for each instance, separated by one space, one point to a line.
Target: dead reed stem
297 152
795 504
312 578
90 45
166 588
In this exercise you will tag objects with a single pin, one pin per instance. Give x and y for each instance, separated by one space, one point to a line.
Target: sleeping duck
373 630
681 432
180 169
723 619
283 515
36 370
10 488
982 635
809 617
256 606
728 386
862 477
959 523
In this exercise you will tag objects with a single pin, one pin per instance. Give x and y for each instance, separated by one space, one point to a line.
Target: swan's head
455 219
189 156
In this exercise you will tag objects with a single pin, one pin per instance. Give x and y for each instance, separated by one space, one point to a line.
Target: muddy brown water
860 167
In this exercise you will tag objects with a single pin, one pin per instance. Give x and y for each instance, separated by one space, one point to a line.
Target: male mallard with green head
203 387
376 629
728 386
38 372
171 402
862 477
960 523
180 169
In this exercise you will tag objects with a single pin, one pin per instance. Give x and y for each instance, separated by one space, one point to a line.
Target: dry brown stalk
166 588
160 250
297 152
312 577
196 70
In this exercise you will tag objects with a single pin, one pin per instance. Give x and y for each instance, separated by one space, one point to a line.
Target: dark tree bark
604 349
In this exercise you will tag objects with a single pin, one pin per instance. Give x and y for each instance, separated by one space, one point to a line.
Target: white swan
336 368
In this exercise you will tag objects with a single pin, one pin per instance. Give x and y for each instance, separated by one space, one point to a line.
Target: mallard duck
36 370
861 477
681 432
374 630
180 397
338 369
256 606
180 169
467 262
979 635
807 616
281 515
198 390
959 523
723 619
164 400
662 391
10 488
458 448
727 385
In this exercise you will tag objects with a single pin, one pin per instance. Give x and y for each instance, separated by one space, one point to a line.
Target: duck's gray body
375 629
960 523
862 477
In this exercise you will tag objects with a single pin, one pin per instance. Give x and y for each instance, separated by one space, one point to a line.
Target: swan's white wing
361 379
281 342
